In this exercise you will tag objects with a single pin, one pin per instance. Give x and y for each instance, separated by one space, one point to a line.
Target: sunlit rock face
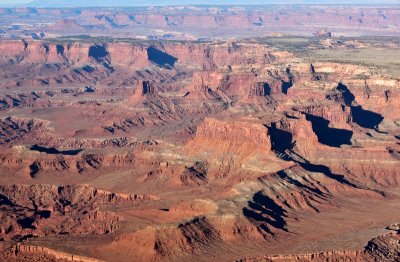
137 150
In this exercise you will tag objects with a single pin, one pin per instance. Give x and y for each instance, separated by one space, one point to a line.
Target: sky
69 3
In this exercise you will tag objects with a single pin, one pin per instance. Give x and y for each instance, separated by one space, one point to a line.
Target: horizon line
200 5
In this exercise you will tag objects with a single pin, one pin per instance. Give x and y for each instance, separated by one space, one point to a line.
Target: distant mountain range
120 3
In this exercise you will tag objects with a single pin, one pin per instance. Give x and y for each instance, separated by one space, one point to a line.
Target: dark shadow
263 212
54 151
314 75
44 214
365 118
362 117
333 137
51 151
98 52
326 171
65 202
15 102
281 140
88 69
381 132
282 144
160 58
26 222
267 89
261 89
348 97
108 67
92 161
306 165
89 89
60 49
35 37
196 174
146 88
112 23
34 169
46 48
20 238
4 200
290 116
394 153
312 69
199 230
66 91
296 183
286 86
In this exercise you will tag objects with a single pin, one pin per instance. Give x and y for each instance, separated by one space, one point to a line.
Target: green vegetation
384 60
375 51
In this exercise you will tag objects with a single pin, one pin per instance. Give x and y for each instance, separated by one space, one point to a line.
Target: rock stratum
201 151
201 22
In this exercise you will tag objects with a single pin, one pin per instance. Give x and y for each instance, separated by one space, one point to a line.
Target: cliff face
77 54
188 237
221 55
53 63
126 54
197 22
29 253
251 151
73 209
235 138
304 101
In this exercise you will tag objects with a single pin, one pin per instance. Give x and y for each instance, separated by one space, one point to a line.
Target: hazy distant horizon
120 3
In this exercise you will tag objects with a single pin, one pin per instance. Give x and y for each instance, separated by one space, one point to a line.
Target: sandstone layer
200 151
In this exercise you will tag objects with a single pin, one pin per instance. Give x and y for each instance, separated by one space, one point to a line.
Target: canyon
257 149
187 22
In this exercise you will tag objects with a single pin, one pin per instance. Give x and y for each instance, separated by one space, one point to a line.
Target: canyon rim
198 132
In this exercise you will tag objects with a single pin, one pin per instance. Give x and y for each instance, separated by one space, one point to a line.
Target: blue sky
182 2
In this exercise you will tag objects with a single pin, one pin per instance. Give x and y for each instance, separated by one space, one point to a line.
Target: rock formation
194 22
43 210
233 146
